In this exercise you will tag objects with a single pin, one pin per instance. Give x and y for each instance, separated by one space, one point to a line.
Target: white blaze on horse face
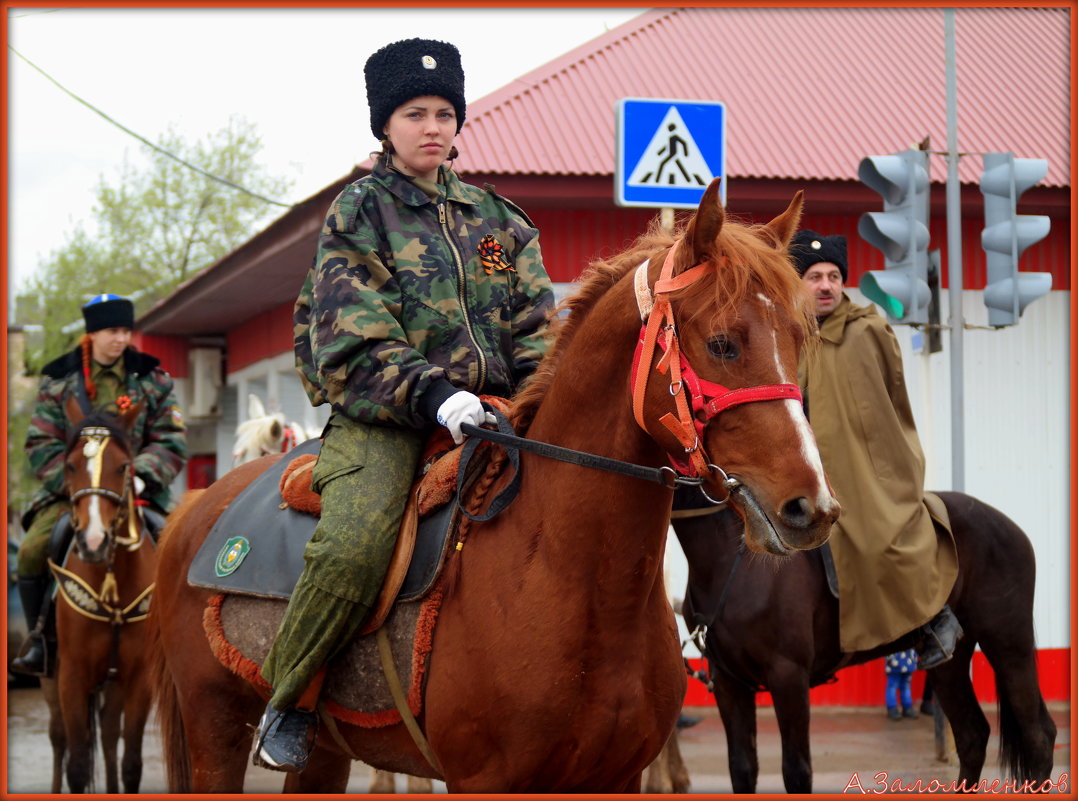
806 441
94 451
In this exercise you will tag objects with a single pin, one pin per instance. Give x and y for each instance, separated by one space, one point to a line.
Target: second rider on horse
104 373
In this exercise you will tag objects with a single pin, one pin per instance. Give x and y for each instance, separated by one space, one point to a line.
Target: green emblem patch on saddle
231 555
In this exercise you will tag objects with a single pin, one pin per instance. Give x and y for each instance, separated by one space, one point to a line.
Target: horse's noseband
697 400
95 440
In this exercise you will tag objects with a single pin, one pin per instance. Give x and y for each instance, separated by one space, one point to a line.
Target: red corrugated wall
172 351
264 336
572 239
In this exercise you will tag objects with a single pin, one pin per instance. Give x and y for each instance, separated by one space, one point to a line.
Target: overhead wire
146 141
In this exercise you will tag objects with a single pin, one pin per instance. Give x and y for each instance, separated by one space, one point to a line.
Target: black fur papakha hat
809 248
412 68
108 311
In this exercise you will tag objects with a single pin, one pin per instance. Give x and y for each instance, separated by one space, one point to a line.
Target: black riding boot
34 657
939 637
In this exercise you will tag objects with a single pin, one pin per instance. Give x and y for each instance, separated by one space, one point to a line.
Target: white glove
140 485
459 408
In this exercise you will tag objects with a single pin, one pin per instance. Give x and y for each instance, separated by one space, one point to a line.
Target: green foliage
156 226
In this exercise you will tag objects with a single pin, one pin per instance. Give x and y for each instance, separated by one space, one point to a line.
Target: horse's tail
173 736
166 698
1017 756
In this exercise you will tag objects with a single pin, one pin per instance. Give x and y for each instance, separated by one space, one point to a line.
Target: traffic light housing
901 232
1006 234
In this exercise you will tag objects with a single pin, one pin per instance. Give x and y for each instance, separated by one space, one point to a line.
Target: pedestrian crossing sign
668 151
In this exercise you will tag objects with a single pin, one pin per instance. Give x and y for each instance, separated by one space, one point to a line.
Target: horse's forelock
753 263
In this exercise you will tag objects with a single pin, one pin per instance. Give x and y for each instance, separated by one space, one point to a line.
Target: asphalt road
846 743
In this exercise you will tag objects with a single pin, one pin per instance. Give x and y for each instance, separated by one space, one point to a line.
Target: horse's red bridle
697 400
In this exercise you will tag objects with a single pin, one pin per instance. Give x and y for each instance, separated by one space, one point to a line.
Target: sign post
668 151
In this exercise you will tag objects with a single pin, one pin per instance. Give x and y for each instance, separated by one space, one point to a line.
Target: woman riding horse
425 293
104 373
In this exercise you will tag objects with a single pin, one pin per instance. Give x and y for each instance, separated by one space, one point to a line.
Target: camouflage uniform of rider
419 289
158 439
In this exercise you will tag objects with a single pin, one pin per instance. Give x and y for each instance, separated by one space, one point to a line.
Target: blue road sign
668 151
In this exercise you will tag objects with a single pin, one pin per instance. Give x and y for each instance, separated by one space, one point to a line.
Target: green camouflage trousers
34 548
363 474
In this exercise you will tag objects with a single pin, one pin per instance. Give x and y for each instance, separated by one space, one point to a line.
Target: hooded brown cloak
895 571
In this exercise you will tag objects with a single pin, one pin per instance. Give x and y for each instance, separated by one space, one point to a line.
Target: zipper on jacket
462 296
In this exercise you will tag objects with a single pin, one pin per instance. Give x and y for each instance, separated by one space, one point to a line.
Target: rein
697 400
666 476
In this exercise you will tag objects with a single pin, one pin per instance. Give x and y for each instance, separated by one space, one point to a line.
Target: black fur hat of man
809 248
108 311
412 68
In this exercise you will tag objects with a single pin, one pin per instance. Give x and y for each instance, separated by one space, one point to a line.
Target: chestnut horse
772 624
104 588
555 663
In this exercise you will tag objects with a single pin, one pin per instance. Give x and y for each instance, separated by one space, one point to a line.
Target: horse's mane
600 276
751 267
100 419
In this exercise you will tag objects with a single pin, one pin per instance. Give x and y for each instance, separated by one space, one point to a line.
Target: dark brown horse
773 625
104 587
555 663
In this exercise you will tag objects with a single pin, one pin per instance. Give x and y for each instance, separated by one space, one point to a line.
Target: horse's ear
131 415
705 225
785 225
254 407
74 411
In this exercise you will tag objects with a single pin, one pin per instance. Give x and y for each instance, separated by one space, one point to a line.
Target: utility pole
954 266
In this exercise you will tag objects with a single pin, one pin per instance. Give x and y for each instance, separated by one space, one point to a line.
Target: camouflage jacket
159 438
410 300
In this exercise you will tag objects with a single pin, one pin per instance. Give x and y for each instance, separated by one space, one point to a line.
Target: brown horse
103 595
555 663
773 625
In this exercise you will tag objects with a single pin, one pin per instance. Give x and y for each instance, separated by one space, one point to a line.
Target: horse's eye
722 347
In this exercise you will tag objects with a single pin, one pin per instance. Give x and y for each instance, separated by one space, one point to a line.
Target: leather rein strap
697 401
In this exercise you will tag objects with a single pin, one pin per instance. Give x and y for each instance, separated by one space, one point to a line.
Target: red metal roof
808 91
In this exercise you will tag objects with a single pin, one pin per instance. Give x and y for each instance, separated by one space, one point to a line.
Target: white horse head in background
263 433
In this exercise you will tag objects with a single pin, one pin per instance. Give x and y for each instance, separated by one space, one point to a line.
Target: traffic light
1006 234
901 232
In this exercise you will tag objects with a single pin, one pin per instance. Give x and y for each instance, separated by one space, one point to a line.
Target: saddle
253 557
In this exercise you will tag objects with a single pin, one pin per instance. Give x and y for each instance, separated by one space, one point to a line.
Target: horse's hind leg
954 691
1026 730
326 772
219 743
737 707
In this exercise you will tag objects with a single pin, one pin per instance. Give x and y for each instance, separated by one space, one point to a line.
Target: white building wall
1016 409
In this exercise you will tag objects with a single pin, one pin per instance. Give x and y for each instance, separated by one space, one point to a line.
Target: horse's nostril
797 513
